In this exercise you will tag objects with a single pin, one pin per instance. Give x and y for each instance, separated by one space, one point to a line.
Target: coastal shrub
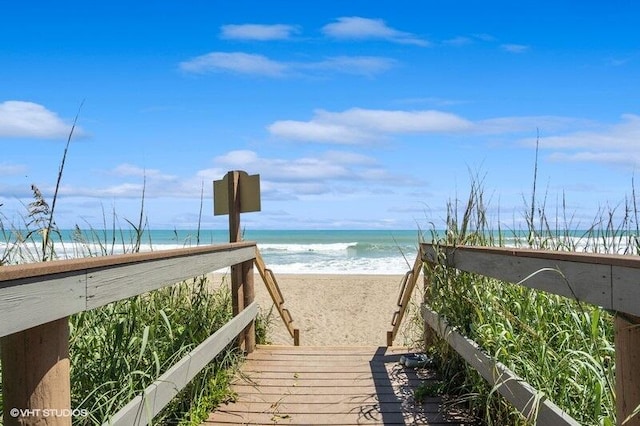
562 347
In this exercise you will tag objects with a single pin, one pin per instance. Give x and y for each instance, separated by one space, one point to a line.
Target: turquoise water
339 252
284 251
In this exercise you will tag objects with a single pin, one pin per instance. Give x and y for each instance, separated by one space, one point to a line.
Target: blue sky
355 114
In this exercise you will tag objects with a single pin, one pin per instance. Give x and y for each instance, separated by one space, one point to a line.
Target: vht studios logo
48 412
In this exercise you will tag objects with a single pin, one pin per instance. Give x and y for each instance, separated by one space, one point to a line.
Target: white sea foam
301 248
352 266
32 252
325 253
621 245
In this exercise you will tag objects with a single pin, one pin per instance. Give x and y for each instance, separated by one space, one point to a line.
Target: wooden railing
609 281
37 299
409 282
271 283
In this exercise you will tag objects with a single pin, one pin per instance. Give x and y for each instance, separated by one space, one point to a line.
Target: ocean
376 252
337 252
284 251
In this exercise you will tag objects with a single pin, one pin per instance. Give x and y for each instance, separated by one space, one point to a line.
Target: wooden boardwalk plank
330 398
302 375
343 419
323 407
338 385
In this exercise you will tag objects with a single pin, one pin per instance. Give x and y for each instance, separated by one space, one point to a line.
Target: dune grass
561 347
121 348
117 350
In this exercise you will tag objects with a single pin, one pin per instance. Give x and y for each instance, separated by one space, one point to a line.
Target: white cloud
318 132
300 169
126 170
238 62
484 37
514 48
124 190
343 157
12 169
252 64
546 123
358 125
614 144
458 41
358 28
385 121
129 181
624 135
30 120
435 101
258 32
614 158
337 172
238 158
358 65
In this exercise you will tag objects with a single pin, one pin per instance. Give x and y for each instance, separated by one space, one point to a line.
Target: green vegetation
121 348
561 347
427 389
117 350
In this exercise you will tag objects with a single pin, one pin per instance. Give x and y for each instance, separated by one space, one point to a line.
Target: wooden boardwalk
289 385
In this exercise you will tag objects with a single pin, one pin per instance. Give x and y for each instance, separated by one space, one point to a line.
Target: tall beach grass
121 348
117 350
562 347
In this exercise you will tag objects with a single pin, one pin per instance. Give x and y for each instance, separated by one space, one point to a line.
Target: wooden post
430 336
627 342
248 291
242 195
237 294
35 376
234 206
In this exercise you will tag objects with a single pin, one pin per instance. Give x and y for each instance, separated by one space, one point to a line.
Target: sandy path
336 309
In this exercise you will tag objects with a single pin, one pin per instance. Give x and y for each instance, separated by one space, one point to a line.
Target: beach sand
331 310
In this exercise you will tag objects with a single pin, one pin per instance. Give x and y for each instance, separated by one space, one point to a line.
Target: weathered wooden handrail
609 281
408 284
142 409
36 300
519 393
37 293
273 288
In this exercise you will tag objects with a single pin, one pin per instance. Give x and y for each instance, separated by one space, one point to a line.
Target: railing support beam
271 284
249 296
627 342
408 284
237 275
35 376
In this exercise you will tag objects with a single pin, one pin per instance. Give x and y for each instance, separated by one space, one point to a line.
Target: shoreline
336 310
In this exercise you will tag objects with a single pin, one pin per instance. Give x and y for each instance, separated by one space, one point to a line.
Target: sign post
238 193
